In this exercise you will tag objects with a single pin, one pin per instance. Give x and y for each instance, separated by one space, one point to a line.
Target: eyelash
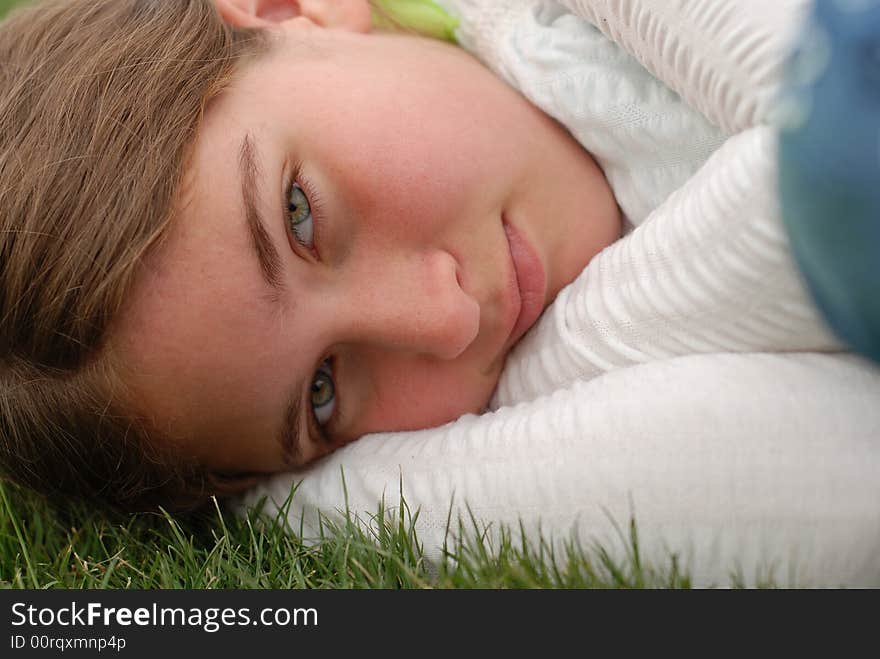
316 206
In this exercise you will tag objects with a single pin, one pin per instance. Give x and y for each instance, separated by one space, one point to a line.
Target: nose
415 303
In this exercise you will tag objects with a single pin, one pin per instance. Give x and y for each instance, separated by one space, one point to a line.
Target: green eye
323 394
299 214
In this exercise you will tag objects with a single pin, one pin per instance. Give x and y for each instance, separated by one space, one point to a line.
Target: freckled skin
416 151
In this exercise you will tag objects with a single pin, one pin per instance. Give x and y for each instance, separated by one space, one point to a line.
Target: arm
718 462
710 271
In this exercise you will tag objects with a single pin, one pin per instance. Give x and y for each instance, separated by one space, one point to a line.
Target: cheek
385 175
421 395
419 166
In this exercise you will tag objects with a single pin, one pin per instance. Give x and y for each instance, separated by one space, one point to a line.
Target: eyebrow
270 268
261 241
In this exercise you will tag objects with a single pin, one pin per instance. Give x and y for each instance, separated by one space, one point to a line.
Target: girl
239 234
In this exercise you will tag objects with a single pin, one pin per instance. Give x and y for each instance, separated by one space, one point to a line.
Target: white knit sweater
708 268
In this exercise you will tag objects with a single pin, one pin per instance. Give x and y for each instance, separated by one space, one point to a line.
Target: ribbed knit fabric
724 58
710 271
761 465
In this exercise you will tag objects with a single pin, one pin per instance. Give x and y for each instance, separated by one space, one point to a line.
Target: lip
531 281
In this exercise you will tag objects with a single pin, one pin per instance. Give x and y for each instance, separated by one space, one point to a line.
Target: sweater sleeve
724 57
710 271
759 462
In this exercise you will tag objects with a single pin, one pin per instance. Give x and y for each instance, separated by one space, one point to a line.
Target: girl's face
370 222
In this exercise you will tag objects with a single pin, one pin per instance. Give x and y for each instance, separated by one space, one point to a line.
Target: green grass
42 548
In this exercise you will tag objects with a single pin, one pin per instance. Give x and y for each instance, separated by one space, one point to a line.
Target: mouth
531 281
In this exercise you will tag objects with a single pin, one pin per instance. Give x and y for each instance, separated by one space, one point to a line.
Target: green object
84 548
423 16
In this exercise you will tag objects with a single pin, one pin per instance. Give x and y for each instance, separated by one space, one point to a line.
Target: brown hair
100 101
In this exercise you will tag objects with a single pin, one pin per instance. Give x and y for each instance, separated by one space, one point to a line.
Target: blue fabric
830 166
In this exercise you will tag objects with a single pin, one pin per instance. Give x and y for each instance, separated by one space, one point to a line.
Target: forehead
204 275
196 314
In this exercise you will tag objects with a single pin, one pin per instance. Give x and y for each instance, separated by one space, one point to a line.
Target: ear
352 15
